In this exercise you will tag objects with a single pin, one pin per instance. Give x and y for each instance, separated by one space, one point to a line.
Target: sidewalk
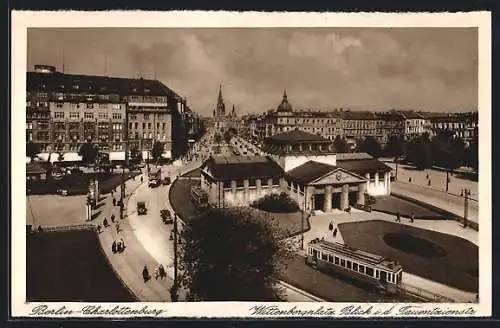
448 202
128 265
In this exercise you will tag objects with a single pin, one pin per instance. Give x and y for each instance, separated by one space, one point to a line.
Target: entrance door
336 200
353 197
319 200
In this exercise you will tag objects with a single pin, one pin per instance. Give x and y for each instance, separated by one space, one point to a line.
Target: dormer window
76 86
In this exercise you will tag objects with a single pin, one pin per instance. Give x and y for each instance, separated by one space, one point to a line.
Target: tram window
362 268
337 260
342 263
377 274
349 264
355 266
323 256
330 258
369 271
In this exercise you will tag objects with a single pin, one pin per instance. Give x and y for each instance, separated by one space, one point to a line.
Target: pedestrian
145 274
117 228
114 248
40 229
99 228
330 226
120 246
161 269
114 202
412 218
142 179
105 222
429 183
335 233
398 217
112 218
409 179
157 273
427 176
122 243
111 192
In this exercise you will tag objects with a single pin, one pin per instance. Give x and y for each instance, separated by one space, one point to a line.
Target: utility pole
466 193
173 291
302 221
122 203
396 159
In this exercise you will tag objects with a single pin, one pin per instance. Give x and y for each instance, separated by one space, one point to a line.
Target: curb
298 290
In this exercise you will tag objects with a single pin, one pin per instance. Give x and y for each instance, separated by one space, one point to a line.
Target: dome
285 105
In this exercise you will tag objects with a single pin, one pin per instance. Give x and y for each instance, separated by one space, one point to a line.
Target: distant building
238 181
461 125
415 124
358 125
65 110
393 124
222 120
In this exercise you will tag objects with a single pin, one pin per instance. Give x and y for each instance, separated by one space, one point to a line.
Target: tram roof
355 253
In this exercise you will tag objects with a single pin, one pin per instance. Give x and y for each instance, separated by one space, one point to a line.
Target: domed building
285 108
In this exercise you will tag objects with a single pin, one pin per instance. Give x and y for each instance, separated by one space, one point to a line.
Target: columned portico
327 206
361 193
344 197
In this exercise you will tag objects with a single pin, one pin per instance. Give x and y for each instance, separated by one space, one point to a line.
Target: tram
385 275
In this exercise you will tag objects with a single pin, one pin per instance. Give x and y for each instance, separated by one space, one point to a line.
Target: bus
154 176
384 274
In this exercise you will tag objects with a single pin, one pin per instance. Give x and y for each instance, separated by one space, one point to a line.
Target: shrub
276 203
370 200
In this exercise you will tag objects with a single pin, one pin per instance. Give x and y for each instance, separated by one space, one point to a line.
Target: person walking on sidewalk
412 218
335 233
112 218
145 274
114 248
117 228
398 217
330 226
105 222
162 272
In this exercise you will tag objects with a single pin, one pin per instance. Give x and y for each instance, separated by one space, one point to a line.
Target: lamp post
466 193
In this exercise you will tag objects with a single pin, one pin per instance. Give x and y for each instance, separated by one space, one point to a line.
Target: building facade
462 125
65 110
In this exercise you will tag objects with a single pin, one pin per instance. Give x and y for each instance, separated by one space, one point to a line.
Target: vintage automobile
166 216
167 181
141 208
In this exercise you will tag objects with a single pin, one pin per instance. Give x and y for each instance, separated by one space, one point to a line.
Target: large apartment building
356 125
462 125
65 110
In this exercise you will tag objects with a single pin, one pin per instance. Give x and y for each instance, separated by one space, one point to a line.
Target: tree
135 156
395 146
157 151
340 145
232 255
276 203
420 152
88 151
448 152
32 150
371 146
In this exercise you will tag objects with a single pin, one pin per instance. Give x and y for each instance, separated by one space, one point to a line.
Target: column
310 191
233 188
388 183
283 184
327 205
376 180
221 193
361 193
367 176
246 185
213 192
344 197
270 184
258 183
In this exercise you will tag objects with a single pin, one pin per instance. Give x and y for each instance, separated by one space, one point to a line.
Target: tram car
384 274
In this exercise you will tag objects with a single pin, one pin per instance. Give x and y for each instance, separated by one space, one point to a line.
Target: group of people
160 273
398 217
429 183
331 228
118 247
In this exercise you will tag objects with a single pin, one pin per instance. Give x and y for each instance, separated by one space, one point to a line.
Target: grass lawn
393 205
70 267
180 198
455 263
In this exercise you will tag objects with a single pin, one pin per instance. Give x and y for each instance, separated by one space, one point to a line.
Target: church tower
221 107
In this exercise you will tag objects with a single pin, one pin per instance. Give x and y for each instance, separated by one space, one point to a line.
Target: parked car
141 208
166 216
166 181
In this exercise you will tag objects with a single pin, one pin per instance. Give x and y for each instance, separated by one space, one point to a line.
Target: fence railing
426 294
76 227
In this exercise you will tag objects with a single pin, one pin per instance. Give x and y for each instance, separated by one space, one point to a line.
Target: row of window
145 116
149 126
251 183
307 120
353 266
148 136
87 115
90 106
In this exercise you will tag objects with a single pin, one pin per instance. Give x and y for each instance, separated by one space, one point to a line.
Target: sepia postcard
259 165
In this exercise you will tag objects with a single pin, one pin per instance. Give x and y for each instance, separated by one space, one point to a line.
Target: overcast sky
321 68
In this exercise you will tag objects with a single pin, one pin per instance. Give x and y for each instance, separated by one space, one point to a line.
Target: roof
363 166
35 167
296 136
391 116
285 105
347 156
357 115
244 167
309 171
411 115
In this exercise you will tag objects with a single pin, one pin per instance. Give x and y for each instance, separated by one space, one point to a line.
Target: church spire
285 97
220 99
221 107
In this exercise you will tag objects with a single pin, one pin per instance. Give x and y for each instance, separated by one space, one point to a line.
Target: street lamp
465 193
